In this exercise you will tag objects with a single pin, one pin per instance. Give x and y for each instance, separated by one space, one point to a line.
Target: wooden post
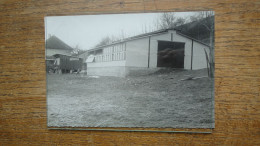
207 59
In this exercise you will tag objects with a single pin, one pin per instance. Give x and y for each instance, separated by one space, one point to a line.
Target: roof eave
192 38
131 38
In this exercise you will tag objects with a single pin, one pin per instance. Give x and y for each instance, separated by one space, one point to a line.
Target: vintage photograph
130 70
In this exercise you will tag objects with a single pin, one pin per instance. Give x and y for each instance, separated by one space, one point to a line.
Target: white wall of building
113 68
137 53
199 56
111 62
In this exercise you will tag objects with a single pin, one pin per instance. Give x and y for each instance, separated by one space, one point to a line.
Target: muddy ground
160 99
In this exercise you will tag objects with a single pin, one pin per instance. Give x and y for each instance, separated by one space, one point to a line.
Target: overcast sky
87 30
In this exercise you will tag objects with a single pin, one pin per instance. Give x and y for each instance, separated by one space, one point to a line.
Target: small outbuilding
166 48
54 46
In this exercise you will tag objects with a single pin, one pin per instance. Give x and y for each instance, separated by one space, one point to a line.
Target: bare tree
166 20
104 41
169 20
76 50
180 21
109 39
148 28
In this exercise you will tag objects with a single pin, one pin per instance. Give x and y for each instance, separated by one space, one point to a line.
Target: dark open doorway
170 54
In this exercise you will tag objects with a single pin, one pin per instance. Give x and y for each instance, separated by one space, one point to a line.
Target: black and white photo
131 70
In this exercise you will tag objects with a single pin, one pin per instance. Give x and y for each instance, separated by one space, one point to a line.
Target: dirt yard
161 99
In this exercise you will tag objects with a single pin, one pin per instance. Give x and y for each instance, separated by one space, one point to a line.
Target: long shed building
160 49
